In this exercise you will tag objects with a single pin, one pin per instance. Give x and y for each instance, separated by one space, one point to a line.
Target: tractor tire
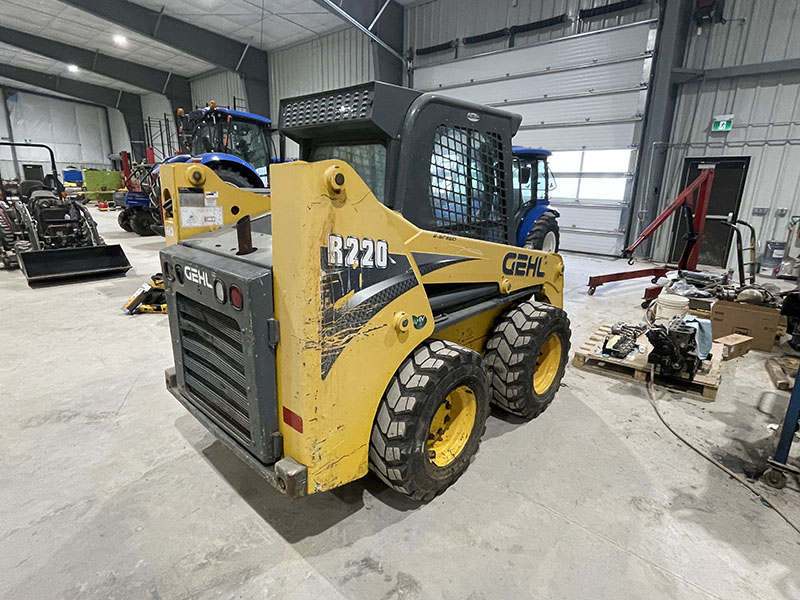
430 420
124 220
527 356
232 177
544 234
142 223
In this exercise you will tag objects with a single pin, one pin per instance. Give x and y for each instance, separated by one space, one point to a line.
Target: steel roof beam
212 47
382 21
175 87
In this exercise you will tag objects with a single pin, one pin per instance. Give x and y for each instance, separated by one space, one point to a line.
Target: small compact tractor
372 315
537 221
51 236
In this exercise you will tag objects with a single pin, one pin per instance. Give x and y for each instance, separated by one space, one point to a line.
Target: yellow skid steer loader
368 320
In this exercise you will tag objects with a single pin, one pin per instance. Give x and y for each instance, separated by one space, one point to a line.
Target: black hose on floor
652 399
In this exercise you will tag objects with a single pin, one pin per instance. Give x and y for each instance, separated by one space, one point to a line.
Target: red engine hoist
693 204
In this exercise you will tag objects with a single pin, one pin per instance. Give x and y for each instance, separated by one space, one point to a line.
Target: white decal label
201 216
211 198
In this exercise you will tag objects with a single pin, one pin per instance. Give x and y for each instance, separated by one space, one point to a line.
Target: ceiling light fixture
120 40
72 68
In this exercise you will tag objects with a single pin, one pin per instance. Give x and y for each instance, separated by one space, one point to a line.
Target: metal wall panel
220 87
584 92
335 60
766 109
439 21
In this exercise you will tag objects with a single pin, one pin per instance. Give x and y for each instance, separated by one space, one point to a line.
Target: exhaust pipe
244 236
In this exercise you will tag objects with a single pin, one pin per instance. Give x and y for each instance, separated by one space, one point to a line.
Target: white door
583 97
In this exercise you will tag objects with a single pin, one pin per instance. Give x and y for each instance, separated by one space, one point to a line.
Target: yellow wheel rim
451 426
547 364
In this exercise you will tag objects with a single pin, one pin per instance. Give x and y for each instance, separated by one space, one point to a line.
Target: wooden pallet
635 366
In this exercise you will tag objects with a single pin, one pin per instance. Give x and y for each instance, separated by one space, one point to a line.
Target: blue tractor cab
537 225
235 144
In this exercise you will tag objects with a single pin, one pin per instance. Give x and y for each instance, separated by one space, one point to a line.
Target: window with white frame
590 176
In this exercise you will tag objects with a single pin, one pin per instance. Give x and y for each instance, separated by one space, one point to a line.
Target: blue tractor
537 225
237 145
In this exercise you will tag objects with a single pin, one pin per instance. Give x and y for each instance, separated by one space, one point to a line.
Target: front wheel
124 220
544 235
527 356
430 420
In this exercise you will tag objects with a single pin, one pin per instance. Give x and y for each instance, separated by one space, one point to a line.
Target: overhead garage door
582 97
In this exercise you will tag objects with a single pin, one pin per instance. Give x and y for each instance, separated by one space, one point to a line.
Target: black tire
142 222
232 177
124 220
545 224
399 446
513 357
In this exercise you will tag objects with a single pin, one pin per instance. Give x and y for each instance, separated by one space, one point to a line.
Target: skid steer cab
370 318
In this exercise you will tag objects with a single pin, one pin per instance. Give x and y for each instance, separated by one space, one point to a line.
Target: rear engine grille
328 108
213 366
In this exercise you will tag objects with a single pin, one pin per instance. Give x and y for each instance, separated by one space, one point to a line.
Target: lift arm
701 185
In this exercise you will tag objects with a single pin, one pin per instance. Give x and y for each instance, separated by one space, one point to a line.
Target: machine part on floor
149 298
775 475
380 281
790 263
751 296
741 263
674 352
54 236
622 340
692 203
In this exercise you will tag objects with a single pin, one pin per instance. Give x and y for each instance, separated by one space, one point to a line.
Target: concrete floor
109 489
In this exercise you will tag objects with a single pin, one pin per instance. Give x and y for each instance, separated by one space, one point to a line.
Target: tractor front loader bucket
45 266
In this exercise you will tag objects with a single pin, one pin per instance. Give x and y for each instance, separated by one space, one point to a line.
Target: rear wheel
232 177
527 356
430 420
142 222
544 234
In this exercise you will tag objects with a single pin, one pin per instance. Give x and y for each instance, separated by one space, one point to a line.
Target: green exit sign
722 123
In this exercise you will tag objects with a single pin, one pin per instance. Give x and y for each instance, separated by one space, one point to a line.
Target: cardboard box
758 322
734 344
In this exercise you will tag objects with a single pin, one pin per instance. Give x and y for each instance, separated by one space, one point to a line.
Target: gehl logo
198 276
522 265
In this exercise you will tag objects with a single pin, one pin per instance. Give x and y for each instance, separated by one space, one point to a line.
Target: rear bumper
287 475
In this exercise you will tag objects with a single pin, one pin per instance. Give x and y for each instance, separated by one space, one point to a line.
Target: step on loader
370 318
52 237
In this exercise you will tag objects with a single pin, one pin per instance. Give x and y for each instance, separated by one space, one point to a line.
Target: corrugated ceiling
266 24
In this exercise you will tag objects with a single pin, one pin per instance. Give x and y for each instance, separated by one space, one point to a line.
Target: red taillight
236 297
